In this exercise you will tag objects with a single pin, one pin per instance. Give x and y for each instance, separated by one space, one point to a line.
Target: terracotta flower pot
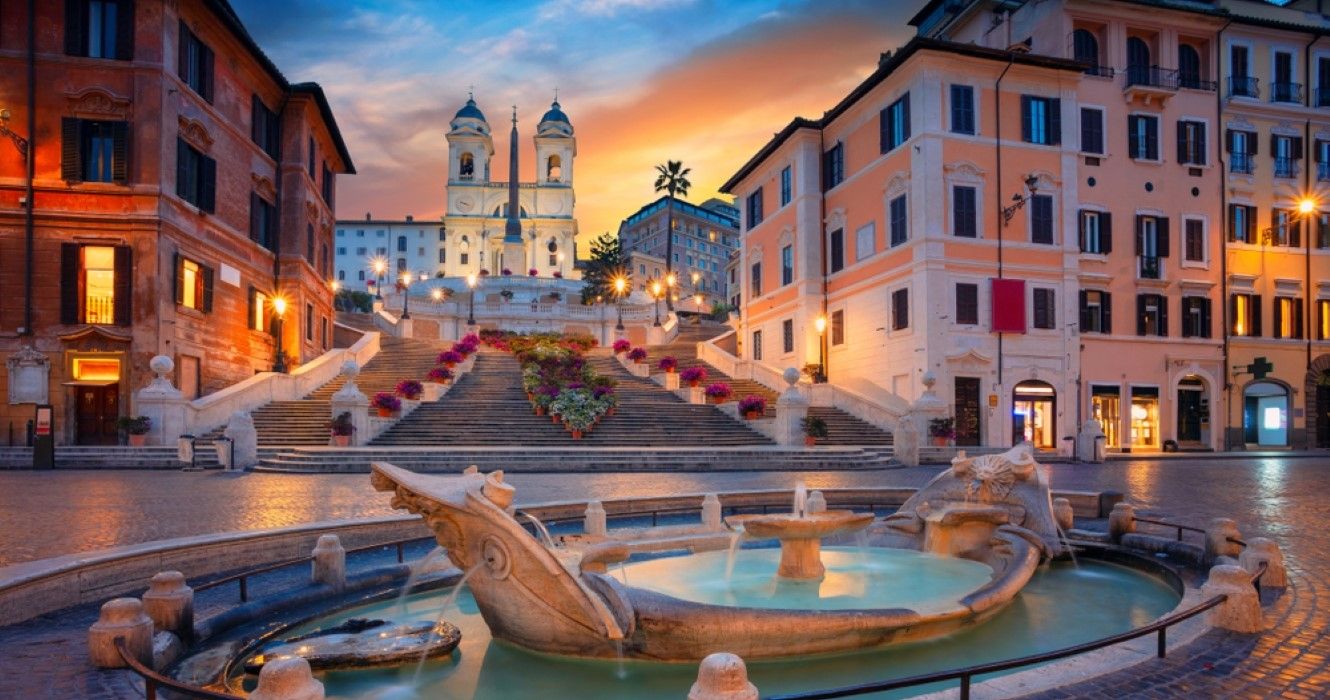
751 415
809 441
385 413
450 365
577 434
137 440
540 410
939 442
554 418
341 440
694 383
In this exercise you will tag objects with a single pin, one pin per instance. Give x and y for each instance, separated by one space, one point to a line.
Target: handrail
1180 527
153 680
243 577
966 674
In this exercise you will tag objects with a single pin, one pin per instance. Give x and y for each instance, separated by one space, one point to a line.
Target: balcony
1240 163
1149 82
1286 92
1193 82
1242 86
1100 71
1151 268
1286 167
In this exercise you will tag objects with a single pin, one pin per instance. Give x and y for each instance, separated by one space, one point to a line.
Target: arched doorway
1265 414
1322 409
1034 414
1138 61
1193 428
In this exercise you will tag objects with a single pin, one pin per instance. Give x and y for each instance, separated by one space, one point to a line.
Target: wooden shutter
1252 143
1233 314
1188 303
205 71
1274 144
1152 139
1055 121
1296 149
178 287
208 186
905 117
1107 311
124 30
1205 317
182 169
1140 313
1040 308
120 152
69 283
1202 150
1085 310
250 310
1183 151
1294 230
1026 130
1278 328
1297 318
76 15
124 285
1080 228
256 125
1163 314
1133 138
1228 140
884 130
182 52
1161 235
1254 303
1140 235
207 288
1106 232
71 149
255 219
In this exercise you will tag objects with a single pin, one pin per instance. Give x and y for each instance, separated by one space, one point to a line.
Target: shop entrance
96 388
967 410
1193 414
1265 414
1033 414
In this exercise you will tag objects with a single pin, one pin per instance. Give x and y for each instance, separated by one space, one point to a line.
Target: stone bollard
1121 521
1063 513
287 678
329 565
711 518
593 522
721 676
170 604
1260 549
1217 536
816 503
121 617
1241 612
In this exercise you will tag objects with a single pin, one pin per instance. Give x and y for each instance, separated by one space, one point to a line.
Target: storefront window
1034 419
1104 406
1144 417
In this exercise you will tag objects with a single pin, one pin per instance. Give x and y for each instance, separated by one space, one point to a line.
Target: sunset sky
703 81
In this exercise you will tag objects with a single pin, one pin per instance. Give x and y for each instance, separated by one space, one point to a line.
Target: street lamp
655 292
336 287
1031 182
279 308
471 282
821 325
406 294
697 301
379 265
620 286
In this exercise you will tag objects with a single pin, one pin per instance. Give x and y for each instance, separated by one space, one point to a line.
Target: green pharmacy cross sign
1260 367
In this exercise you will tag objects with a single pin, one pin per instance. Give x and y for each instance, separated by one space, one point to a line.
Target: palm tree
672 179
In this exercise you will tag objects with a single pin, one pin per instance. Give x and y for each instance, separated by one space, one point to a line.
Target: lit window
99 284
190 278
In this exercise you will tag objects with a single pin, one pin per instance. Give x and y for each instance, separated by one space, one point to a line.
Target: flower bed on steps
557 379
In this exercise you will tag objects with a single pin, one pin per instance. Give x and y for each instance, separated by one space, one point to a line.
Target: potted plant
718 392
484 272
410 389
506 272
637 355
449 358
814 372
342 429
942 430
386 403
814 429
668 364
531 272
621 346
507 294
752 406
440 375
558 275
136 427
693 376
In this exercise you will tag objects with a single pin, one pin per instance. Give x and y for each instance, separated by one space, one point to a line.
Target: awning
92 382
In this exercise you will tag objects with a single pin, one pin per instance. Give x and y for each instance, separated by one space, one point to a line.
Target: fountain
800 534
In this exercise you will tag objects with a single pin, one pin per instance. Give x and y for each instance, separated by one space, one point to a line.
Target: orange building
161 185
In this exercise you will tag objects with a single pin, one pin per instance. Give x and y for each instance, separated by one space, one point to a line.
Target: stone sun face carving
990 478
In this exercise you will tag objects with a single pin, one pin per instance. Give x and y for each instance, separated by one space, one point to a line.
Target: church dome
555 122
470 110
469 117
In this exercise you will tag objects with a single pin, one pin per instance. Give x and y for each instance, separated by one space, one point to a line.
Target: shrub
719 390
342 425
815 427
440 374
668 364
637 354
621 345
134 425
694 374
531 272
388 402
410 388
449 356
942 428
505 272
752 404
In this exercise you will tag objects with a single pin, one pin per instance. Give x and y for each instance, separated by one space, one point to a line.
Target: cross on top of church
1260 367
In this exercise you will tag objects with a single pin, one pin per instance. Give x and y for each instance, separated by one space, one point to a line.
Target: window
195 63
401 244
787 335
309 153
1189 67
1287 151
837 327
264 127
1041 120
1245 315
309 243
1045 315
258 310
833 166
309 322
361 275
865 241
964 211
1151 315
94 151
1193 240
1322 81
1096 311
1286 228
756 280
1195 317
328 180
894 124
1288 317
900 231
1191 143
1240 83
1092 130
1139 68
1282 88
1241 223
1241 146
1323 319
1143 137
757 345
100 28
962 109
836 248
754 207
1321 149
1096 231
786 185
464 258
196 177
1151 245
193 284
786 265
1322 230
262 221
900 309
95 284
1041 219
1085 49
967 304
341 275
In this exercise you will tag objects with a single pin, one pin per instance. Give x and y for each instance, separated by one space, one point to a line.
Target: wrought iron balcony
1194 82
1286 92
1242 86
1100 71
1286 167
1151 77
1240 163
1151 268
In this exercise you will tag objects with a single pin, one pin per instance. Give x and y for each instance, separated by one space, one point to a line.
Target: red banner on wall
1008 306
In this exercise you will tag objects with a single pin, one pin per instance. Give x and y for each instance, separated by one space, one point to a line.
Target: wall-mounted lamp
19 142
1019 200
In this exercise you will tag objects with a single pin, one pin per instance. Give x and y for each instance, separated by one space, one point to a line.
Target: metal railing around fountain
967 674
152 680
243 577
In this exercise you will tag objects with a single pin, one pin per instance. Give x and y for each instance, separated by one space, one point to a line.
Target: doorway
967 411
98 408
1033 414
1323 411
1192 412
1265 415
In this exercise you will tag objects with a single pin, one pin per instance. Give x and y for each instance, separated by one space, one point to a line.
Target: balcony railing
99 309
1151 269
1194 82
1100 71
1242 86
1151 76
1286 92
1240 163
1323 96
1286 167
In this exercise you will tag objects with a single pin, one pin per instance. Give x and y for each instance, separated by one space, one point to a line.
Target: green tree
605 263
672 179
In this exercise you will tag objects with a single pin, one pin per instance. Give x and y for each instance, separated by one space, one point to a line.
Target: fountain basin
384 644
801 536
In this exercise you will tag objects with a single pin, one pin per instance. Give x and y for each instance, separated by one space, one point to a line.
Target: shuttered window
94 151
837 250
1045 315
1191 143
1092 130
1096 311
264 127
1287 318
964 211
100 29
962 109
893 125
900 309
96 284
837 327
787 335
196 177
833 166
193 284
1041 219
1195 317
1244 312
1143 137
900 226
262 221
1095 231
1041 120
195 63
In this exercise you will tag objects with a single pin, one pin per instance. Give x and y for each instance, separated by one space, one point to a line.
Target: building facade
704 235
179 185
402 244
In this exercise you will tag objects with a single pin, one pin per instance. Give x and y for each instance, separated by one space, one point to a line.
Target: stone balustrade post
1090 441
672 380
1241 611
697 394
121 617
1121 520
791 409
593 521
404 328
244 440
349 399
163 404
711 512
1218 539
722 676
1263 551
1064 514
170 603
329 565
287 678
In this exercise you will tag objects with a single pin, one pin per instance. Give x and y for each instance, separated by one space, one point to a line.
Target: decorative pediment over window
95 339
194 133
96 103
786 236
1046 179
964 170
311 210
264 187
1241 123
897 183
836 219
755 252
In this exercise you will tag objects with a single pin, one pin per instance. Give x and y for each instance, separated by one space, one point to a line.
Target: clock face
465 204
556 206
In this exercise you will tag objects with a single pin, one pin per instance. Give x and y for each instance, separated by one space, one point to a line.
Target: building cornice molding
97 102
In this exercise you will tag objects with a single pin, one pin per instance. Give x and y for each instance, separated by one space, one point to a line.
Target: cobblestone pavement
44 514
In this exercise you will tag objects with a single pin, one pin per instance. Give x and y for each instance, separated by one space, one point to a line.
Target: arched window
1189 66
553 248
1138 62
1085 49
554 168
467 166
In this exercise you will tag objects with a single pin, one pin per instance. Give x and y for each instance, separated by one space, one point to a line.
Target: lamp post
821 325
697 302
279 308
620 286
655 292
336 287
559 257
1031 182
406 294
471 282
379 266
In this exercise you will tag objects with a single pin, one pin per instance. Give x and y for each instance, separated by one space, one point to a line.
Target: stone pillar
163 404
1063 513
1121 521
329 565
404 328
349 399
121 617
244 439
1261 550
905 441
1089 441
288 678
170 604
697 394
816 503
593 521
1217 537
711 512
672 380
791 409
721 676
1241 612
